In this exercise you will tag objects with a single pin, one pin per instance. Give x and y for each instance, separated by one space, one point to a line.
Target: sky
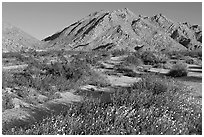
44 19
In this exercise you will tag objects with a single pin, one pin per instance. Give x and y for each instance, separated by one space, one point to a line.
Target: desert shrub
190 60
158 65
178 70
161 58
136 54
152 58
148 86
7 102
167 65
7 79
181 54
63 74
91 57
22 79
123 69
175 54
69 71
194 53
154 84
73 74
148 57
21 58
132 60
11 55
97 80
198 53
118 52
135 110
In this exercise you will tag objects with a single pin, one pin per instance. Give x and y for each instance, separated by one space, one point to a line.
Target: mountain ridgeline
122 29
14 39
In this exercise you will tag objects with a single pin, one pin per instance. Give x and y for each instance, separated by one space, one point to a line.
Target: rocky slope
14 39
122 29
186 34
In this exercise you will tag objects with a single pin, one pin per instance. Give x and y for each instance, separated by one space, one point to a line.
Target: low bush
6 102
151 58
181 54
167 65
190 60
7 79
118 52
91 57
159 65
124 70
62 74
175 55
148 57
154 106
132 60
178 70
194 53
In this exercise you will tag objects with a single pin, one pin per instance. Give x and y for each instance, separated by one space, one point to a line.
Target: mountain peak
124 11
120 29
160 16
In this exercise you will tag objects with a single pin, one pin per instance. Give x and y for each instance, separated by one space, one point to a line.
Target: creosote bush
6 102
132 60
118 52
178 70
7 79
151 58
181 54
190 60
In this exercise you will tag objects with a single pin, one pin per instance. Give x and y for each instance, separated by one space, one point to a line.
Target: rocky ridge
186 34
122 29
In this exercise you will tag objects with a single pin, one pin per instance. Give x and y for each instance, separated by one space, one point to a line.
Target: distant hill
14 39
122 29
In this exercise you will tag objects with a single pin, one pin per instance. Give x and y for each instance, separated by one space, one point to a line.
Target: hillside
186 34
14 39
122 29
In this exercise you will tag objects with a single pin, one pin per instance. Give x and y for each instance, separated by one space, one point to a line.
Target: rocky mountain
14 39
186 34
122 29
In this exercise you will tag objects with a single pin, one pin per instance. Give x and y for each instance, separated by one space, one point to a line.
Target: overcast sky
43 19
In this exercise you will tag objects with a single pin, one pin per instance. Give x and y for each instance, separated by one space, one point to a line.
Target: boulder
19 103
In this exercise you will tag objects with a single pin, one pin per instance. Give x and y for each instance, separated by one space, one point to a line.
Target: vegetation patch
178 70
132 60
6 102
118 52
151 58
151 106
62 75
